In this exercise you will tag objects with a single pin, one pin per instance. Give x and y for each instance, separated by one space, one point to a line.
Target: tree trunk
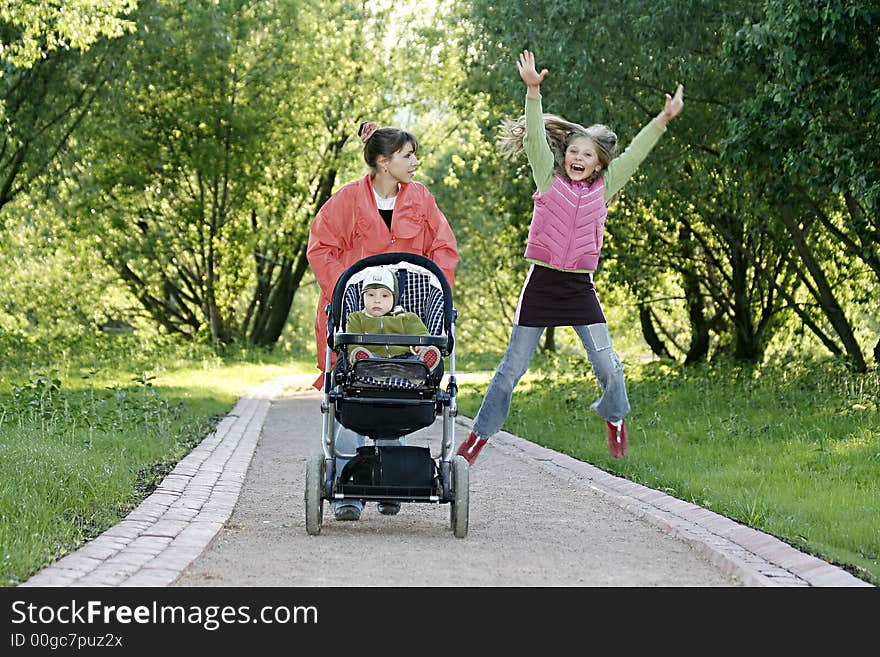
164 311
747 345
823 293
274 313
646 319
698 349
273 299
220 333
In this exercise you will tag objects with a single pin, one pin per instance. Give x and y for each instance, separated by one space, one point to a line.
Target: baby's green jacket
402 323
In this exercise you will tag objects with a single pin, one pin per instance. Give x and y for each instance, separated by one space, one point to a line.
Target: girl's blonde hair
560 133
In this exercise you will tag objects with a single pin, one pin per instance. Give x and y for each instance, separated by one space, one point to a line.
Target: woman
383 212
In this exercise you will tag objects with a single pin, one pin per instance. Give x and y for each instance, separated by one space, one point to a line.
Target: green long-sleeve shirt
616 175
404 323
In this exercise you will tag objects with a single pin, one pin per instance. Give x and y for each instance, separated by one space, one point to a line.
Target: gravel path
231 514
528 527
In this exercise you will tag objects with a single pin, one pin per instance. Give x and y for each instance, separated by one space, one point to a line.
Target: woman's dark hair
385 141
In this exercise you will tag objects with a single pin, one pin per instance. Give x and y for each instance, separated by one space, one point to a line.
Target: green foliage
815 111
706 236
52 62
172 178
55 285
813 120
32 29
220 139
183 195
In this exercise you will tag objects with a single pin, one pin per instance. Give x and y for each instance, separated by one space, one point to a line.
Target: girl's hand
674 105
529 73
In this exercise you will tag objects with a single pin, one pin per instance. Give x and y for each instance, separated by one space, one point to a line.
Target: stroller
387 398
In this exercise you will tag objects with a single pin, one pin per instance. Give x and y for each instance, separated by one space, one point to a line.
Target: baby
381 314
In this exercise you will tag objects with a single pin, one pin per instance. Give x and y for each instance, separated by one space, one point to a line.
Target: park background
161 162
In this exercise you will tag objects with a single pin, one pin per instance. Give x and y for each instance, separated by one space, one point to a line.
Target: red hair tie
368 130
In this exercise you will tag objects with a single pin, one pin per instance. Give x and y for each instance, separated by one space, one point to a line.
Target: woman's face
581 159
402 164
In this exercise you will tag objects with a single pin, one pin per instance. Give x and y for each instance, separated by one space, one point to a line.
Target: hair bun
366 130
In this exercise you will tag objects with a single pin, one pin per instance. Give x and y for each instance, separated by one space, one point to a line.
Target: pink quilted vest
568 224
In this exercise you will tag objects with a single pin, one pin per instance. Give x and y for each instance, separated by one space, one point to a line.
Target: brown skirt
551 297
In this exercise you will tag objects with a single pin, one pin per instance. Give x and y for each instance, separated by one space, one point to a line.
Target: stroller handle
340 339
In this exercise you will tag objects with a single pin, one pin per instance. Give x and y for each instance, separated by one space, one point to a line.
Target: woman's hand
674 105
529 73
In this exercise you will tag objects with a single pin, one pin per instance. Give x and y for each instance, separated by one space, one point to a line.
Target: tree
670 236
702 236
32 29
219 145
814 121
53 59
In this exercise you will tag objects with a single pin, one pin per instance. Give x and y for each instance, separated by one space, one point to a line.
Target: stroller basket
399 471
388 397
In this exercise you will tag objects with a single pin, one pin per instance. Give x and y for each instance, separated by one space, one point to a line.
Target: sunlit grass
791 451
87 434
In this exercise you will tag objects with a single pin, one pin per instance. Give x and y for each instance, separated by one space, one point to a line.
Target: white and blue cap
379 277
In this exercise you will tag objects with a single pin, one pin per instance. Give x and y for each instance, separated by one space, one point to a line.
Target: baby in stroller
384 386
381 314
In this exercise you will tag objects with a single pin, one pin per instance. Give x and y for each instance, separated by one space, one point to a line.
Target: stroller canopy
423 289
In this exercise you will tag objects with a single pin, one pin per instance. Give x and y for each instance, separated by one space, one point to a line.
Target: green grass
86 434
87 431
793 451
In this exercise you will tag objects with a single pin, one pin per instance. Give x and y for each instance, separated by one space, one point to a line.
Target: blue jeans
347 442
613 405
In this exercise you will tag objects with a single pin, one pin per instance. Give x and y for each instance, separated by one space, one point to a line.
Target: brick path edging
756 558
166 532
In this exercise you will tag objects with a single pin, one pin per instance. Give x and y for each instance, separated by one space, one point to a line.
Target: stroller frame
407 396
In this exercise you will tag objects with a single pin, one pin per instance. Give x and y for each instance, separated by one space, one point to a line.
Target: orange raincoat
348 228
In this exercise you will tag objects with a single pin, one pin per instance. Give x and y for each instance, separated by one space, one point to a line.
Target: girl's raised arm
673 106
529 73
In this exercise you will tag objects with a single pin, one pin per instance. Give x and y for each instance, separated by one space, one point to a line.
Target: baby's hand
417 350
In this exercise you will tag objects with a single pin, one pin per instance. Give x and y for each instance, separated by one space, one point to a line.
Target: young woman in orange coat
385 211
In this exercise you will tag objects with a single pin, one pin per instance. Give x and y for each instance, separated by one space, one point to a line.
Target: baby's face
378 301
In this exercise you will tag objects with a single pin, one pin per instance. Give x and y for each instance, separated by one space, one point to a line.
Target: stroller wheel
460 497
314 487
